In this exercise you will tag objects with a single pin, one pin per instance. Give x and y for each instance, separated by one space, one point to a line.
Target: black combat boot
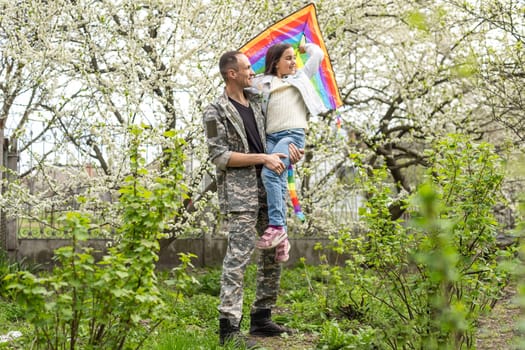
229 333
261 324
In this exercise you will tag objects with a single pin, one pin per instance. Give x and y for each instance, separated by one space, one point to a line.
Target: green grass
192 322
187 339
192 319
11 316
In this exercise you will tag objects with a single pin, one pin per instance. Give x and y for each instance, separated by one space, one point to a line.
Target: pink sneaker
271 238
281 252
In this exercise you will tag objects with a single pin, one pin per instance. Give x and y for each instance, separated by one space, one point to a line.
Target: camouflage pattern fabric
243 228
243 200
225 134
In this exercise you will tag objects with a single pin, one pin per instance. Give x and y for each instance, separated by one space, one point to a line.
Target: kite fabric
293 195
298 28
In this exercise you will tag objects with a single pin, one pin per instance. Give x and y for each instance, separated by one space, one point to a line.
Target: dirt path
498 330
294 342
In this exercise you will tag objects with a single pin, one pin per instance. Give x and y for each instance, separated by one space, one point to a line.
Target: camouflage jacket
224 128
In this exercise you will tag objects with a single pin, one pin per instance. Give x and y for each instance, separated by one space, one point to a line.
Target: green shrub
210 282
114 303
423 283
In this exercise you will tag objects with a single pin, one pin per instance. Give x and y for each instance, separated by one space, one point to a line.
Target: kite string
293 194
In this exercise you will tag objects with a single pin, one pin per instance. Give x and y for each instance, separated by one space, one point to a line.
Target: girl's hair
273 55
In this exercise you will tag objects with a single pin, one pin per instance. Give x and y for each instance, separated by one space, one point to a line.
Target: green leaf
417 20
39 290
122 274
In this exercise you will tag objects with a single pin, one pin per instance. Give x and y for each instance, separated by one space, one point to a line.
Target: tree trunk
3 223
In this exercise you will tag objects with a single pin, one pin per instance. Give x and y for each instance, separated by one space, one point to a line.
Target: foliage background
75 75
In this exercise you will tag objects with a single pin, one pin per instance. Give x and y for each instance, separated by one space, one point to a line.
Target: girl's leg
275 183
276 189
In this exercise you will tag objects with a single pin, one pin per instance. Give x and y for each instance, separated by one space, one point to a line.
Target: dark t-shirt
254 139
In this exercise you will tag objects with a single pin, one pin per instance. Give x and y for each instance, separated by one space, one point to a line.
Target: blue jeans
275 184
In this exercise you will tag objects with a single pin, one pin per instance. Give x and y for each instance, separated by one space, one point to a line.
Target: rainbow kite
300 26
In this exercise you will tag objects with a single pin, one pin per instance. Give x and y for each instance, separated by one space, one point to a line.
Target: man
234 127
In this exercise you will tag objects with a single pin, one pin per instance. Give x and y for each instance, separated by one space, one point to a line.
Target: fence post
8 225
3 161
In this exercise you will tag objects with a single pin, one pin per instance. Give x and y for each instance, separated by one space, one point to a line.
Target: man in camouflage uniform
234 127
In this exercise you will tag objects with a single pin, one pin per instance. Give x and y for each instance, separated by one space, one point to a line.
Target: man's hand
296 154
273 162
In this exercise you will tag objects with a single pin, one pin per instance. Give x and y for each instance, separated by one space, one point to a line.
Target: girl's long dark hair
273 55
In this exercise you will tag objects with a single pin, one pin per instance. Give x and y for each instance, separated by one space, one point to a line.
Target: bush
423 283
114 303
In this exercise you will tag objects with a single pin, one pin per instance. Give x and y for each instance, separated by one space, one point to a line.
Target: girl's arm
314 60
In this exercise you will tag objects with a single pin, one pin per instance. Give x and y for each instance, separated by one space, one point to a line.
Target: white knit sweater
286 108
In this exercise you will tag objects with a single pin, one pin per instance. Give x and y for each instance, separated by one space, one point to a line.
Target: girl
288 99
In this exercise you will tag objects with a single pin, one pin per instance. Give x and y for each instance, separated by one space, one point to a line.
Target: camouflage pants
243 230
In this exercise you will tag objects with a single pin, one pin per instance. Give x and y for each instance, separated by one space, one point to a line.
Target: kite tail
293 195
338 123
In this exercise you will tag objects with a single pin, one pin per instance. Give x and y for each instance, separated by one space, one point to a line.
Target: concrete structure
210 252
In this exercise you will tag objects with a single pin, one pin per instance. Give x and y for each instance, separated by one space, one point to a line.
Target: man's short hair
228 61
